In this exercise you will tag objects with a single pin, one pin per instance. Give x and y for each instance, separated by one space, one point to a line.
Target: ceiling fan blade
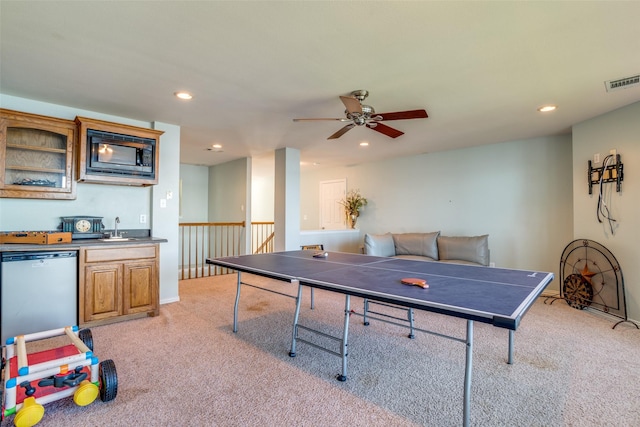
389 131
319 119
342 131
403 115
352 104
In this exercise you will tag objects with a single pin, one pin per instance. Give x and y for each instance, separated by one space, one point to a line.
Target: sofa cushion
415 257
471 249
379 244
423 244
459 261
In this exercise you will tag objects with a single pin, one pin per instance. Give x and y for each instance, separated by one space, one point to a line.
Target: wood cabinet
118 282
36 156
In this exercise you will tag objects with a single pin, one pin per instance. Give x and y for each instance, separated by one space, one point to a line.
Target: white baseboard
169 300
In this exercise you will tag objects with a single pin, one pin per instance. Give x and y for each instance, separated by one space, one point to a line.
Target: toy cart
33 380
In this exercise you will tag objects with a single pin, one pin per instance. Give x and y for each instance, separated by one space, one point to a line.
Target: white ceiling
480 69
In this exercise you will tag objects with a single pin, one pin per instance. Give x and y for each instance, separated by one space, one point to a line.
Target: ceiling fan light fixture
368 110
364 144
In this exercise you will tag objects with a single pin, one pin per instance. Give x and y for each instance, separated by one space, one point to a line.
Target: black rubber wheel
578 292
108 380
86 337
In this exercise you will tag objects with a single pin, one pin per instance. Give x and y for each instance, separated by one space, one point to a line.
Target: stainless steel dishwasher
39 291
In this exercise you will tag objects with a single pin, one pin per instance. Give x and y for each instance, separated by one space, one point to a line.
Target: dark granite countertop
77 244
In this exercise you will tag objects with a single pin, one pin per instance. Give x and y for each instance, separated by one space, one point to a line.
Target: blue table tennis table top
491 295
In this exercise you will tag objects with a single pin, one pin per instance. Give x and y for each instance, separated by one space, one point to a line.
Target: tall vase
352 219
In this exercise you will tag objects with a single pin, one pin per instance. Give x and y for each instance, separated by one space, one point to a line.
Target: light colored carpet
186 367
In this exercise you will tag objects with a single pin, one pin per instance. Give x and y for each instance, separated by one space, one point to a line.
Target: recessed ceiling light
364 144
547 108
184 95
217 146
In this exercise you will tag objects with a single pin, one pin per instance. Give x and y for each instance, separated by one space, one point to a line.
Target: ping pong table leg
366 311
467 375
511 337
292 352
235 307
345 334
411 325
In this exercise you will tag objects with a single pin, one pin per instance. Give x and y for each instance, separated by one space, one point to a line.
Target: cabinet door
140 289
36 156
103 297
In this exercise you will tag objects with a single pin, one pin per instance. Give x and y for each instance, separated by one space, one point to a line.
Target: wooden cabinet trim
120 253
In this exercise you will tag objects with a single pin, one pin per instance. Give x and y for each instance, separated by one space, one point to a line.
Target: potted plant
352 203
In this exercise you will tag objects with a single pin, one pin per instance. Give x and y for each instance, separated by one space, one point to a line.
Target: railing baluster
202 240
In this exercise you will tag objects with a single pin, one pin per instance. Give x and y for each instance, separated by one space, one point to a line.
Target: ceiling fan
364 115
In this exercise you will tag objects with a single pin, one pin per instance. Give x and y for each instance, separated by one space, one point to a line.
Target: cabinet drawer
117 253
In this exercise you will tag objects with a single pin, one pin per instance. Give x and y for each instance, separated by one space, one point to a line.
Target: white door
332 216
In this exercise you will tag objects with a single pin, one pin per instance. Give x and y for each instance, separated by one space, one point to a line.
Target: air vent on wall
623 83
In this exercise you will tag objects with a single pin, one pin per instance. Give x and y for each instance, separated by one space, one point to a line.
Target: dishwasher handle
27 256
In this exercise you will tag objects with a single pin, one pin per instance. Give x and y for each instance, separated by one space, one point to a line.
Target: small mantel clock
83 227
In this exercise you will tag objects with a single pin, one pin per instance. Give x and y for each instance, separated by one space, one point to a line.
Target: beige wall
620 130
520 193
228 191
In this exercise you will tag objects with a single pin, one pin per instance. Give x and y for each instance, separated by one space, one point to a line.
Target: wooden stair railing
202 240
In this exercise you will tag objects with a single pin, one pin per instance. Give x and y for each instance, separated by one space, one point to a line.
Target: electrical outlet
143 219
613 152
596 158
163 203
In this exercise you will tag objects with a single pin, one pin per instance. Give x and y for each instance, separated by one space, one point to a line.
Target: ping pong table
496 296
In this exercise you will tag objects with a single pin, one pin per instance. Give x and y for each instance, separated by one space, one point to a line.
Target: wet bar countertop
131 238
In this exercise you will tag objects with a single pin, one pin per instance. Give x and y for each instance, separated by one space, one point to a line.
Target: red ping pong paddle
415 282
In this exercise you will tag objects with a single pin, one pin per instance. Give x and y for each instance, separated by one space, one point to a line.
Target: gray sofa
472 250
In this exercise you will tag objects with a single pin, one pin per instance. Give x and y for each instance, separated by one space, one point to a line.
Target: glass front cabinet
36 156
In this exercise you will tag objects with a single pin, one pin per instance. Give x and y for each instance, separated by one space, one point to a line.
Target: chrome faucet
115 231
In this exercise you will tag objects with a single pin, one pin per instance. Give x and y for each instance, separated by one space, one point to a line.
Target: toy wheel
30 414
108 380
86 337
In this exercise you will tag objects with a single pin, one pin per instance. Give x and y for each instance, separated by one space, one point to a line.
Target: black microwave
113 154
